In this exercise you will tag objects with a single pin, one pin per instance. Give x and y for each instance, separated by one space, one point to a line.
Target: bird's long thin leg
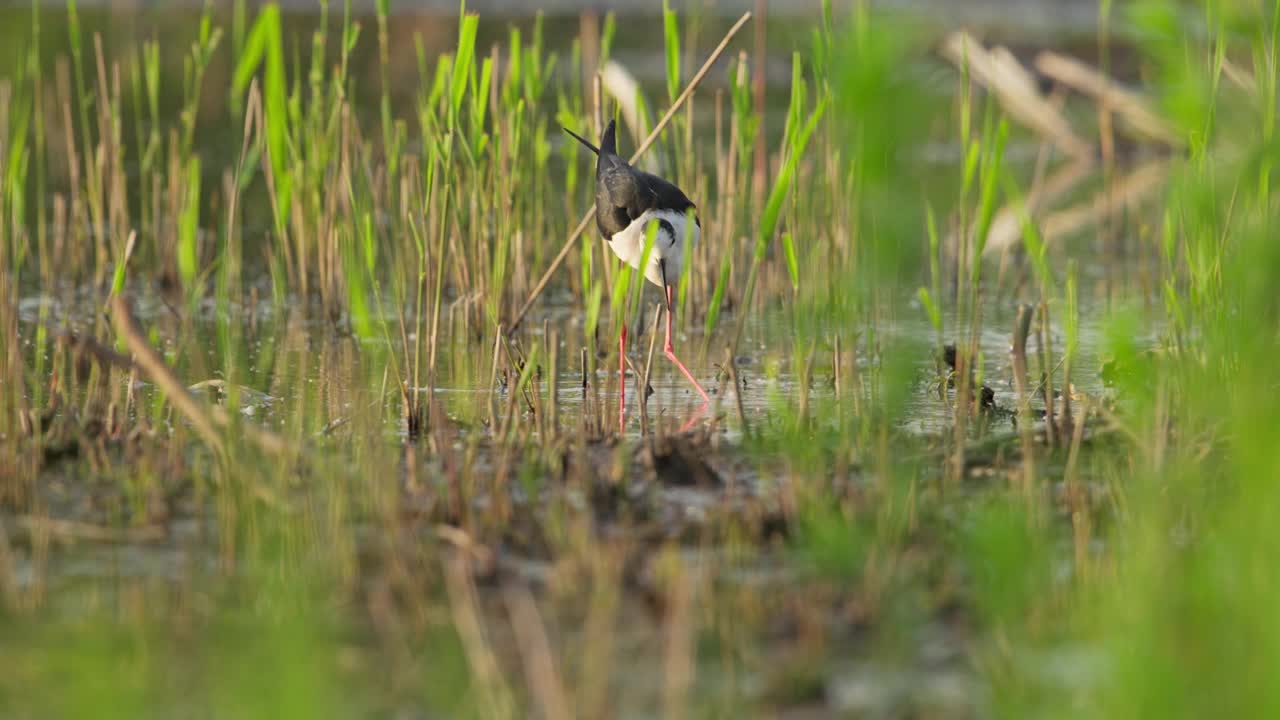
668 348
622 380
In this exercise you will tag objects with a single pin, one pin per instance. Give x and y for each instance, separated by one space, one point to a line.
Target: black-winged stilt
627 201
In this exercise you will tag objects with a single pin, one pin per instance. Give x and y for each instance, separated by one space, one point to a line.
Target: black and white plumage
627 201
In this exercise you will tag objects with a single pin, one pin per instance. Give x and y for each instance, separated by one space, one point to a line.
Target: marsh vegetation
308 389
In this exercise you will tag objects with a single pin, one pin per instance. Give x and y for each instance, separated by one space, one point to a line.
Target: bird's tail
582 140
608 142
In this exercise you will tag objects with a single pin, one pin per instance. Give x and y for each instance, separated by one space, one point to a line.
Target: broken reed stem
1070 475
553 349
493 381
1021 328
653 135
516 368
806 379
722 383
1045 351
535 382
586 397
737 394
835 371
539 412
635 373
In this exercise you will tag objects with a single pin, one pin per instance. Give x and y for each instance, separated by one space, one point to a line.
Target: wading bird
627 201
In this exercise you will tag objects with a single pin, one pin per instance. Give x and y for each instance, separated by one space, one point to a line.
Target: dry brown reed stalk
678 632
516 361
15 401
82 345
653 135
1007 225
730 188
540 669
806 377
722 382
493 381
71 216
6 94
600 627
1045 349
1124 194
589 31
535 394
492 695
836 373
553 349
1142 121
1240 77
760 154
721 157
1071 473
586 397
737 392
70 531
206 421
1022 327
998 71
154 367
8 574
635 375
410 402
1077 494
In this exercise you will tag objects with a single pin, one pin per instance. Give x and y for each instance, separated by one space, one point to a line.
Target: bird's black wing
621 195
662 193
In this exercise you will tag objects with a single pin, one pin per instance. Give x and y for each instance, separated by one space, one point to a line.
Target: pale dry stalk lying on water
1013 85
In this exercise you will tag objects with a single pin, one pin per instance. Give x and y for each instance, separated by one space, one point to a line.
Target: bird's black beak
666 286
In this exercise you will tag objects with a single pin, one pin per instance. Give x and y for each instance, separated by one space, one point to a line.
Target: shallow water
769 382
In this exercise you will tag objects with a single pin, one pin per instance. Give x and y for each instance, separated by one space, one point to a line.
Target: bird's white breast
628 245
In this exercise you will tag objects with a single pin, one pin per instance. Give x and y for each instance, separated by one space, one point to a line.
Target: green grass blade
189 227
671 36
462 62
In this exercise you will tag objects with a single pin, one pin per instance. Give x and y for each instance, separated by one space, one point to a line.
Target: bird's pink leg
694 418
622 379
670 350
